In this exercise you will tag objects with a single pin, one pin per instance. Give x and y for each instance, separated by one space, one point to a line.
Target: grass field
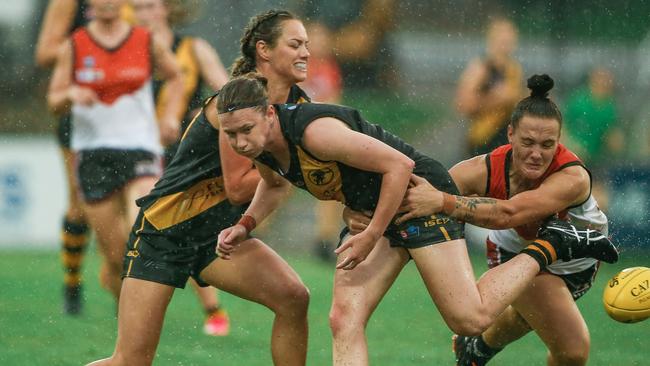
406 329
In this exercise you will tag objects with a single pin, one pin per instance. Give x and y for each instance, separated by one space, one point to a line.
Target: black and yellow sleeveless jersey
189 202
183 49
332 180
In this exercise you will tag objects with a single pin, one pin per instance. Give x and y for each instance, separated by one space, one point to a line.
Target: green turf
406 328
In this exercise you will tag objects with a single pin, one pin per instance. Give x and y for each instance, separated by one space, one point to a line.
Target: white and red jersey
584 215
124 117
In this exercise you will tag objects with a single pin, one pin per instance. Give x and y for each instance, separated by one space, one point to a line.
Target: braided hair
538 104
266 27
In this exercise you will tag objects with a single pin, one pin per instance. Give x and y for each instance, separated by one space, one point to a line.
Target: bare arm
239 174
165 64
271 191
505 93
54 31
468 93
422 199
211 68
562 189
62 91
470 100
331 139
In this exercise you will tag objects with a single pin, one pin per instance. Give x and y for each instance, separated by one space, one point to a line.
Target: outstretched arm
562 189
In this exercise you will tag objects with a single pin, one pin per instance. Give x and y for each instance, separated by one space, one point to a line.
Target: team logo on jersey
321 177
88 73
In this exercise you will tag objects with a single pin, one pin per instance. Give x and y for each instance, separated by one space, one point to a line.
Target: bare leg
75 211
508 327
356 295
551 311
207 295
216 322
75 235
257 273
132 191
328 217
107 220
469 307
142 310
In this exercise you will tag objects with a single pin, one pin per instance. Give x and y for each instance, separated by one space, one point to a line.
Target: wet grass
406 328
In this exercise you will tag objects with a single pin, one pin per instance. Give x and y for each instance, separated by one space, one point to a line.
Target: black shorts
172 255
578 283
64 131
428 230
102 172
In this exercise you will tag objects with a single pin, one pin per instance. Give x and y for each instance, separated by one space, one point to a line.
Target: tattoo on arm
467 208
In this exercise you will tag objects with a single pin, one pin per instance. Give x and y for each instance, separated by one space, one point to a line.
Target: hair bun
540 85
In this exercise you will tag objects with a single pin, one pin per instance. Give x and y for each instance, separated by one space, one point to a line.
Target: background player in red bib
529 179
104 76
61 19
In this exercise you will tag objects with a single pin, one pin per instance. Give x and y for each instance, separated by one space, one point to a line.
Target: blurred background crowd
441 74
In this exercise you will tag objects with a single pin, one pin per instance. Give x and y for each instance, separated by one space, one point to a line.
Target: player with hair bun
528 180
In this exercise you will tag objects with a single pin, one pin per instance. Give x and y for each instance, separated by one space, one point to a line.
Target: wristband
248 222
448 203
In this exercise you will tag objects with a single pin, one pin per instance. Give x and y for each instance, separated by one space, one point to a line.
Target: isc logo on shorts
133 253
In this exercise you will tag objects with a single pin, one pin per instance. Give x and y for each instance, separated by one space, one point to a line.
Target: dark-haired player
529 179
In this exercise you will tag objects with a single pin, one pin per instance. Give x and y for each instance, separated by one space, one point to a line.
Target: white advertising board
33 192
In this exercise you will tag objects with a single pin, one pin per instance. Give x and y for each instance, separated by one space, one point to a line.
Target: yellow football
627 295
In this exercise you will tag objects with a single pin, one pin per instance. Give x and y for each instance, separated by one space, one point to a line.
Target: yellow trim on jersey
175 208
191 76
322 178
196 116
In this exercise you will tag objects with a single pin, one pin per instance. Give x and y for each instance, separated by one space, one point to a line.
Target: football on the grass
627 295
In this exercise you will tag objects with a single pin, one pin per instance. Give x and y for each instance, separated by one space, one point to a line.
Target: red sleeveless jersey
498 185
112 73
